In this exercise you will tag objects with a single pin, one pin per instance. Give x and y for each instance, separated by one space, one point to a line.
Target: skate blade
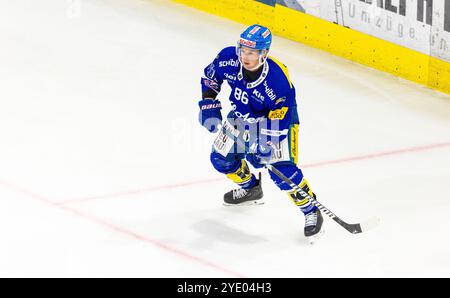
313 239
248 203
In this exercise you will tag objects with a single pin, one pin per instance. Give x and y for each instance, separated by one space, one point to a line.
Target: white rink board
422 28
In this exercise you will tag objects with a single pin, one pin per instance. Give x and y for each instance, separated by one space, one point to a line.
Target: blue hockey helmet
256 37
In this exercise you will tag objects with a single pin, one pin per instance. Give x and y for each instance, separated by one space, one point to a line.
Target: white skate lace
239 193
311 219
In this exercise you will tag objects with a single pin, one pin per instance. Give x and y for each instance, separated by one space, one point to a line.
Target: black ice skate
244 197
313 225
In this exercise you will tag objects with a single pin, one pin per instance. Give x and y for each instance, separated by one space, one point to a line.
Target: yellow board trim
335 39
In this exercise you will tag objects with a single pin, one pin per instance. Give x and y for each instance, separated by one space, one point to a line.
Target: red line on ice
122 230
310 165
378 155
118 229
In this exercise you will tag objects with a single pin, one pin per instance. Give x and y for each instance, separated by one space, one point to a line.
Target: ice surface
104 170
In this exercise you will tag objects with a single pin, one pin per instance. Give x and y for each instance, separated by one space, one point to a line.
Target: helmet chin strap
262 58
261 62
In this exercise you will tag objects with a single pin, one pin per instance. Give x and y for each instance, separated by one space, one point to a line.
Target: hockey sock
301 200
243 177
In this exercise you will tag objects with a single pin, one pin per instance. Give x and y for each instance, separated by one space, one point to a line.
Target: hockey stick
352 228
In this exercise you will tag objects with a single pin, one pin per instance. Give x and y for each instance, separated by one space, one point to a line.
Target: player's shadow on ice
213 231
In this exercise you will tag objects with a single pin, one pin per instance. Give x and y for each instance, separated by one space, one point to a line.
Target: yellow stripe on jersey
293 135
283 68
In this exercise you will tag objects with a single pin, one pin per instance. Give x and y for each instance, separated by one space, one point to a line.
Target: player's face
250 57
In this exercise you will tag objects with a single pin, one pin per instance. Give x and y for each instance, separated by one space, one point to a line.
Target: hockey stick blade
359 227
370 224
352 228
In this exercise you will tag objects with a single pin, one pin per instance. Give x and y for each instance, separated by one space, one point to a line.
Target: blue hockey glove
261 155
210 116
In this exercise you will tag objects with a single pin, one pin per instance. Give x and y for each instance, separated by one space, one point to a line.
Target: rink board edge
338 40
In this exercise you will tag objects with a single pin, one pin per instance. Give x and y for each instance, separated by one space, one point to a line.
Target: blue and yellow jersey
271 96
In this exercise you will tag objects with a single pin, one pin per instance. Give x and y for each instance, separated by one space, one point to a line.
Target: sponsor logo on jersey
246 117
278 114
230 62
230 77
254 30
266 33
269 91
280 100
274 133
247 43
258 94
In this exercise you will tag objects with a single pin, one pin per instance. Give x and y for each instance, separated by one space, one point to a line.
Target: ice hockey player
261 128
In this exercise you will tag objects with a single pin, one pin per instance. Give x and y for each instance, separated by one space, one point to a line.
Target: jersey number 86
241 95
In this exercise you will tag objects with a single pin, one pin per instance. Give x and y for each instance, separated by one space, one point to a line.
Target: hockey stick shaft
352 228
